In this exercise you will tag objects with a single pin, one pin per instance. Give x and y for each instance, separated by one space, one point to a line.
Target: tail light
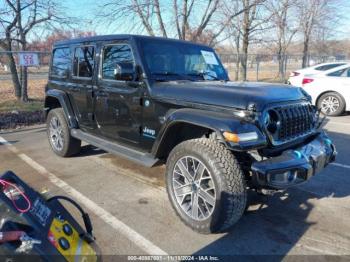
307 81
294 74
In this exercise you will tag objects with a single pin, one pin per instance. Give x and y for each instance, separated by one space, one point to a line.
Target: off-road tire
231 195
341 107
71 145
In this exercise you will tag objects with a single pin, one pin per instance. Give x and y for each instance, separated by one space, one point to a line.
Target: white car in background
330 90
296 77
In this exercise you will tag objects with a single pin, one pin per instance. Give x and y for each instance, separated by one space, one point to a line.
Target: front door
81 86
118 108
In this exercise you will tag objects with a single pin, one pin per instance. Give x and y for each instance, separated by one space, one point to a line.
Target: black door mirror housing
124 71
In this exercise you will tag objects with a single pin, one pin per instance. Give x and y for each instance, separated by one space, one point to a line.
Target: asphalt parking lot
131 213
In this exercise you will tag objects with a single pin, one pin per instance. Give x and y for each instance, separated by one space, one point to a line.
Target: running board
144 159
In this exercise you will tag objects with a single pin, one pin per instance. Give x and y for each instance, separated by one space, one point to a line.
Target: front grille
295 121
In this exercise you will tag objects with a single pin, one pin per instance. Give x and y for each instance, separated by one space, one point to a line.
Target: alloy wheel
56 134
194 188
330 105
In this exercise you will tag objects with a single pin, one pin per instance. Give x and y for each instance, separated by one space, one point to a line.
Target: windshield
171 60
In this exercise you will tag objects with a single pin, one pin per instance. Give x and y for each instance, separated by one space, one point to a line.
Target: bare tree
160 18
210 9
249 15
8 22
19 19
285 27
235 41
181 17
192 19
234 32
242 20
316 16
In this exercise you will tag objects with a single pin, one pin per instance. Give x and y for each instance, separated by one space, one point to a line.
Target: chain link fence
270 67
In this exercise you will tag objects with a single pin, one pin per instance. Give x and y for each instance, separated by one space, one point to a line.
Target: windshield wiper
168 73
165 73
204 74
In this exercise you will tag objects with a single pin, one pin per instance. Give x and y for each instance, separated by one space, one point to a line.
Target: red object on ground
7 184
11 236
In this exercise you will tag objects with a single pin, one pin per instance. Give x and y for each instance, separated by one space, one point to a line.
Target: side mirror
124 71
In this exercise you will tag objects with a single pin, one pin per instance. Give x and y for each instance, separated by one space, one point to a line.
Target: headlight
272 121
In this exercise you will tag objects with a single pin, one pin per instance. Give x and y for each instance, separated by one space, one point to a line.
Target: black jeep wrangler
154 100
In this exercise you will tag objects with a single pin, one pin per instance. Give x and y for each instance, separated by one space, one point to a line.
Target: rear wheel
205 185
331 104
62 143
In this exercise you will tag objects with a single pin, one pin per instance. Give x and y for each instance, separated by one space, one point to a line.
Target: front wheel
62 143
205 185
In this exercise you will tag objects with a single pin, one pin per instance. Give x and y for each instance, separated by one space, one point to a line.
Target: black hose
85 216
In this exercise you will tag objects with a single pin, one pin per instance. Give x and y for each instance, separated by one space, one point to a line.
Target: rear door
82 82
338 81
59 76
345 89
118 108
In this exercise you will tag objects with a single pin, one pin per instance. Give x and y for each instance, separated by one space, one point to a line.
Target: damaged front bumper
295 166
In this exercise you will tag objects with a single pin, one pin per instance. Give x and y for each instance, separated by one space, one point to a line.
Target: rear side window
113 54
327 67
340 73
61 62
83 62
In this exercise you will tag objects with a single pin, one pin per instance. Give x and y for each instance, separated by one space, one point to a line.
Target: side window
327 67
338 73
113 54
61 62
83 61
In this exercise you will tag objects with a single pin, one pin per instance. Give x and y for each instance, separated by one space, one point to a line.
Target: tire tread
73 146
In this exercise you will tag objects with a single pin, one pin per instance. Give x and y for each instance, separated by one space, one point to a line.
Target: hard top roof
100 38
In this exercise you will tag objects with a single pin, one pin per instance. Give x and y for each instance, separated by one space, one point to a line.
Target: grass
14 105
8 101
36 89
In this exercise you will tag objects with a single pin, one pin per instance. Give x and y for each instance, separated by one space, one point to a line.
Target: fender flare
218 122
64 101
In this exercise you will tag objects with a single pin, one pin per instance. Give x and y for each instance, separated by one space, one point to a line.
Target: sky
87 9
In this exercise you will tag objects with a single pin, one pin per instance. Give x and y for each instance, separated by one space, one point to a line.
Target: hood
237 95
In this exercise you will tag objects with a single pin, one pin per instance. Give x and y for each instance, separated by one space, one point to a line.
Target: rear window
83 64
327 67
61 62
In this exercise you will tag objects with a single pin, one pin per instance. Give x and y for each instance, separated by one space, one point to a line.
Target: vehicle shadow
274 225
89 150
